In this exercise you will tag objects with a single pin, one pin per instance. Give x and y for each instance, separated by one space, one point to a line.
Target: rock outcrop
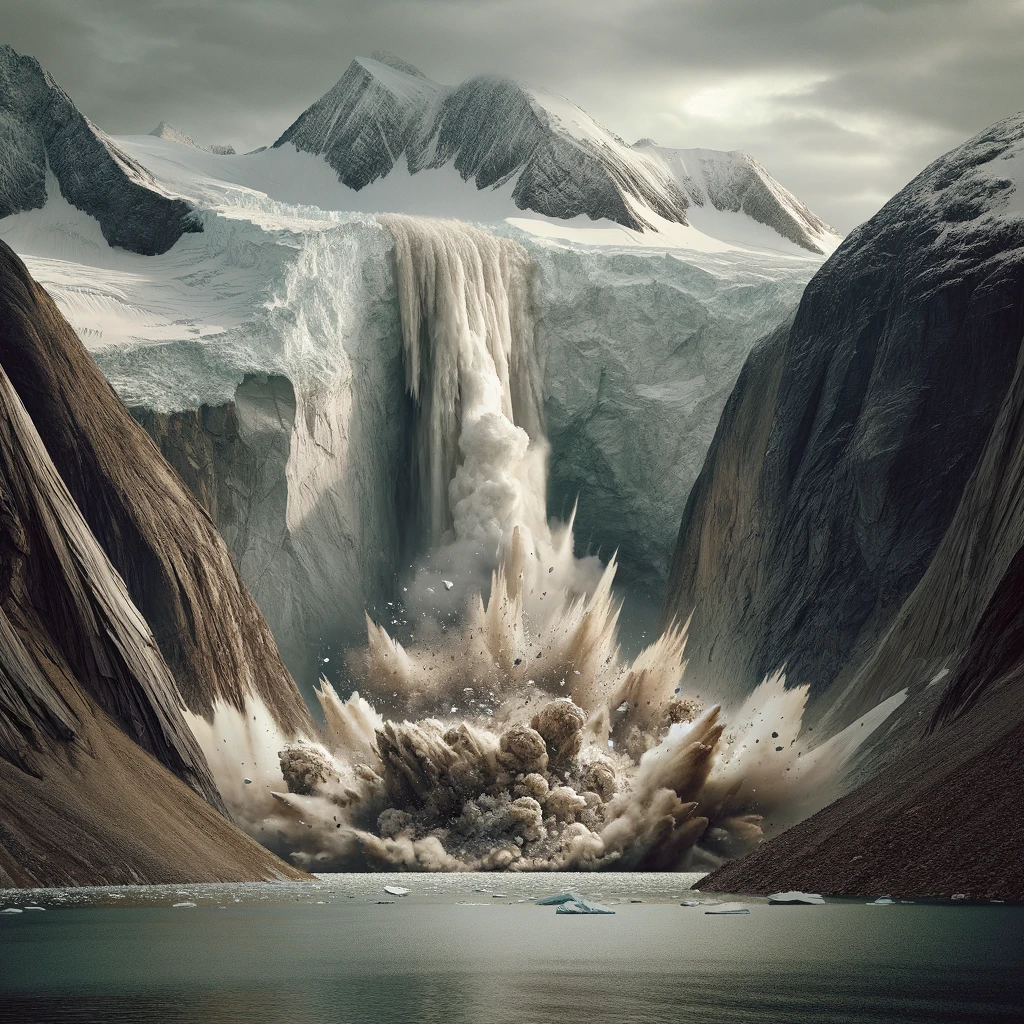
845 449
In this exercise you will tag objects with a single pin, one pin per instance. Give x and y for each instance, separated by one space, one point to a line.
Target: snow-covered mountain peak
167 131
385 117
385 57
45 137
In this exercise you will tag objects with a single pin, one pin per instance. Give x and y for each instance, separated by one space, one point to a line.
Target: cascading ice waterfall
533 745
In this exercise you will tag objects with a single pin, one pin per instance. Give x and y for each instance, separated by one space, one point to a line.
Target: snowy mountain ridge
561 163
167 131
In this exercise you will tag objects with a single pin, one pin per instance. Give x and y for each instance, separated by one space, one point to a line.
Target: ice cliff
264 355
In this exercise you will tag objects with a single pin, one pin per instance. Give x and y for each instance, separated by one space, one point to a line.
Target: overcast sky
843 102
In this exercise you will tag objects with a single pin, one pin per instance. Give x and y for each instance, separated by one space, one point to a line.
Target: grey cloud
890 83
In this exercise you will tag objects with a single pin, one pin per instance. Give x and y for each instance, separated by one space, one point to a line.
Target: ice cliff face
560 162
832 488
264 353
41 130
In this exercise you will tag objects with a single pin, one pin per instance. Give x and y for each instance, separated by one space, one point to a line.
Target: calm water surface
447 954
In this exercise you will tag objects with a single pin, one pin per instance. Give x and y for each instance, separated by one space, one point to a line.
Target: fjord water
450 954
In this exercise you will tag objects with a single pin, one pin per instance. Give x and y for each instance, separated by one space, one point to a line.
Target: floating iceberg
728 908
396 890
583 907
795 897
558 898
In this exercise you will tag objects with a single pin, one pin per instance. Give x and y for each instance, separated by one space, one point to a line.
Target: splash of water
528 743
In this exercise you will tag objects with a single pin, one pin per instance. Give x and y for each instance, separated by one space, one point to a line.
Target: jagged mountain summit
42 134
167 131
386 117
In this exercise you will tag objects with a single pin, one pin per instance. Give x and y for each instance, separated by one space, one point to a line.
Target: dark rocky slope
41 130
942 817
101 780
846 446
176 566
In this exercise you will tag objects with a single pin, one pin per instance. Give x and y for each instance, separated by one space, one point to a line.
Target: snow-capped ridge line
494 129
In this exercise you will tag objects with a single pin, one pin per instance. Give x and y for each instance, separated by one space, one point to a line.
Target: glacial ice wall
292 315
640 353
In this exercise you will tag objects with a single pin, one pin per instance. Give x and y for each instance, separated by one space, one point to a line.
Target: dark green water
299 954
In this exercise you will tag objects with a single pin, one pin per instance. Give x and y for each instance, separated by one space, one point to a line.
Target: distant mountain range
384 119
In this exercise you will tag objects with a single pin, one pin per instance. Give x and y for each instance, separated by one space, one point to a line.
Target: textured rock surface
942 819
174 563
384 113
101 779
41 128
846 446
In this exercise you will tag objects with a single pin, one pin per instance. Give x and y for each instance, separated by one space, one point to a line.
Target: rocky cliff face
101 778
41 130
174 563
847 444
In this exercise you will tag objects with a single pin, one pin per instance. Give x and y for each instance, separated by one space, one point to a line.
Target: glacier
264 354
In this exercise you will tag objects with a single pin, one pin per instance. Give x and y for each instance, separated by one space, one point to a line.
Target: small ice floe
558 898
185 904
385 903
582 907
701 903
396 890
728 908
11 910
499 895
481 890
35 908
795 898
448 584
636 901
690 903
882 901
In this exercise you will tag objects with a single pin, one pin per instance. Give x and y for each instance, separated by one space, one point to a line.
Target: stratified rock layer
101 778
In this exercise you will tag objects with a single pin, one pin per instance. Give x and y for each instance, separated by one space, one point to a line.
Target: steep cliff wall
889 383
